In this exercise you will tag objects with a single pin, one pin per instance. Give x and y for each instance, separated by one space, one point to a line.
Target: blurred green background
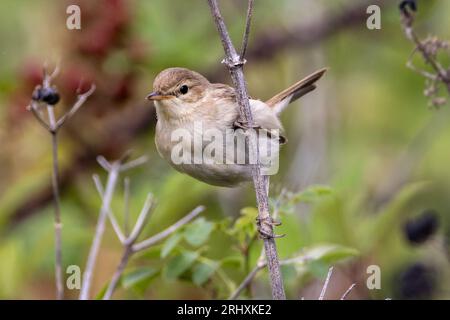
367 132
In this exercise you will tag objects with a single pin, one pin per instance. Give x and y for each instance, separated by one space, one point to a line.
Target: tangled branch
113 170
428 49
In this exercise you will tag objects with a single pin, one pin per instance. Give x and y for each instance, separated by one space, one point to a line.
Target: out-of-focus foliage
366 141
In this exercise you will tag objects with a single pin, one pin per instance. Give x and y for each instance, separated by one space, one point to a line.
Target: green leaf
312 194
318 268
151 253
203 271
198 232
138 276
329 253
102 292
170 244
245 226
318 258
179 264
232 261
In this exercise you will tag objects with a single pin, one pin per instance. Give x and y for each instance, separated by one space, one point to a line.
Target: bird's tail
297 90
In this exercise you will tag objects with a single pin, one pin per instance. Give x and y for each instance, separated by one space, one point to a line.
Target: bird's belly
223 175
221 161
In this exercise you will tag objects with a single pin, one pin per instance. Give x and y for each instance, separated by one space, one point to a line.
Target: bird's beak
157 96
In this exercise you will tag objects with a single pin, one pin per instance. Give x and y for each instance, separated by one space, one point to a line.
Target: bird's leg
267 223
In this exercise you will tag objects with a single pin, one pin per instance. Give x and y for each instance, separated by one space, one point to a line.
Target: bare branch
407 20
33 108
113 170
130 248
126 213
142 219
249 278
134 163
247 30
118 273
167 232
48 78
346 293
104 163
80 101
325 285
262 263
113 174
98 185
50 127
111 216
235 64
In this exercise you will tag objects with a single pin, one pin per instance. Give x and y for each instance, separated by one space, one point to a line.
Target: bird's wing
297 90
224 91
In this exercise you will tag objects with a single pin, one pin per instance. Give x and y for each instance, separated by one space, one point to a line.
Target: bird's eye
184 89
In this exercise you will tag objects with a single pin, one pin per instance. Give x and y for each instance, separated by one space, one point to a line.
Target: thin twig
249 278
99 230
126 213
134 163
118 273
325 285
167 232
58 224
104 163
113 170
130 247
142 219
346 293
407 24
248 23
261 264
34 109
112 218
80 101
235 64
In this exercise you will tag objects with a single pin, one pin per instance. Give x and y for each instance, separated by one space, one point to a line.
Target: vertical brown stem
57 218
235 66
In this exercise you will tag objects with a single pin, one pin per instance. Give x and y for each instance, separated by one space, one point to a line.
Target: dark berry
50 96
411 4
420 229
418 281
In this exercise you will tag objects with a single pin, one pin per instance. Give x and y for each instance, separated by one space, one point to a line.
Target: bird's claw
265 224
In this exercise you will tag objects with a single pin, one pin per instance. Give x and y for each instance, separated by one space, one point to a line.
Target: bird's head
177 91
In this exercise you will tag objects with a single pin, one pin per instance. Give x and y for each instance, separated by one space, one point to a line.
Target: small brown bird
188 104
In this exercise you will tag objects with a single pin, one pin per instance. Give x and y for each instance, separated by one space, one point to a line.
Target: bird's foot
265 227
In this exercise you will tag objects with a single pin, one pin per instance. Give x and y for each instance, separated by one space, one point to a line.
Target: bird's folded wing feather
297 90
